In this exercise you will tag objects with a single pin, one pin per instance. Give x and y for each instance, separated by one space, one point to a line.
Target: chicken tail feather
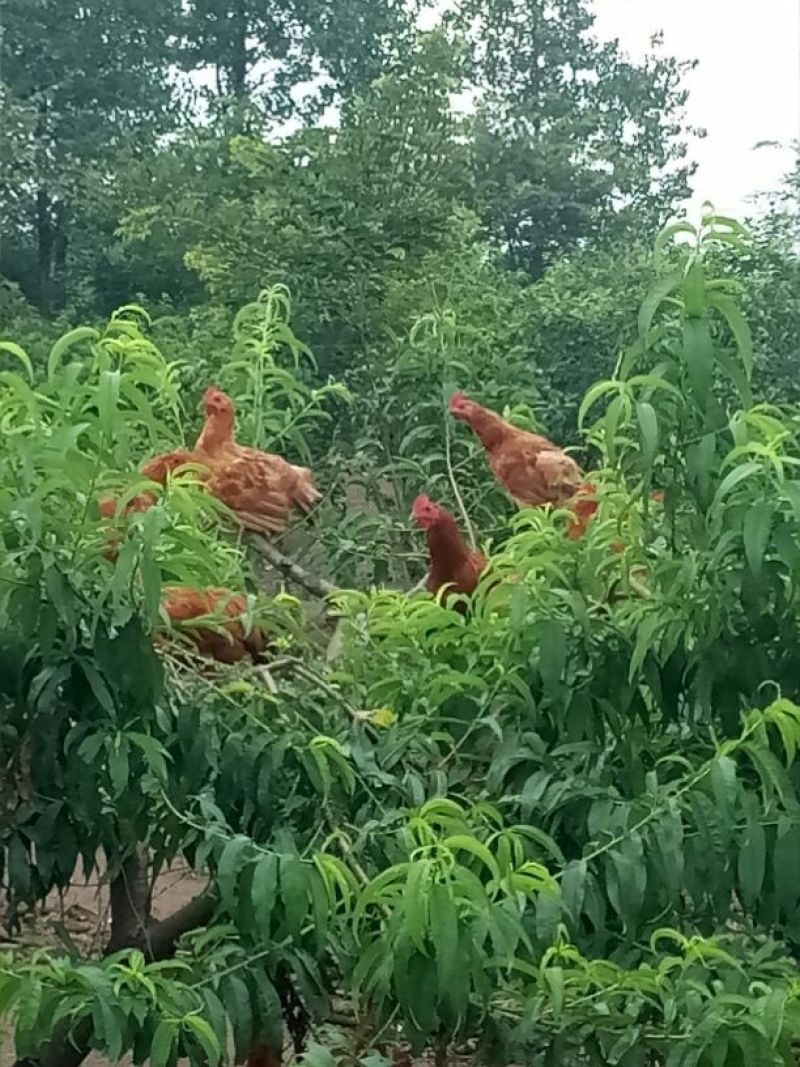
305 493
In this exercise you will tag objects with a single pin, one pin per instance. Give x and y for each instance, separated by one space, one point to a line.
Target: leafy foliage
559 827
563 824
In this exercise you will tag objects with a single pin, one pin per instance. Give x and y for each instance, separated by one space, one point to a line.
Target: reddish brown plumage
159 467
107 505
156 469
451 561
583 506
230 644
530 468
259 487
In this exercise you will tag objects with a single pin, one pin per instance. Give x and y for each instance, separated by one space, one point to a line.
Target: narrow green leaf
698 354
444 933
738 327
663 288
734 478
648 428
593 394
462 842
118 764
757 526
163 1040
64 343
236 998
294 893
552 653
264 892
19 353
231 861
205 1037
752 861
416 900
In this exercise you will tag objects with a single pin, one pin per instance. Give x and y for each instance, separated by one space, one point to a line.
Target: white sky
746 88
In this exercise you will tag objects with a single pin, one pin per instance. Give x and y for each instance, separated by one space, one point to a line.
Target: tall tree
277 59
79 80
333 213
571 138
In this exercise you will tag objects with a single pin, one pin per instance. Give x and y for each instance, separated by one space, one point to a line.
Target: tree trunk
238 46
130 899
44 242
58 289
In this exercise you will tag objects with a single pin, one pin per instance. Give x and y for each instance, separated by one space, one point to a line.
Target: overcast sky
746 88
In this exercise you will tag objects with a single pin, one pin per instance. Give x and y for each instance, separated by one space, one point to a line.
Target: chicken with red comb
259 487
452 562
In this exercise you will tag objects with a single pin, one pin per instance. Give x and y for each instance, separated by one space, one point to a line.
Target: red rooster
182 604
452 562
259 487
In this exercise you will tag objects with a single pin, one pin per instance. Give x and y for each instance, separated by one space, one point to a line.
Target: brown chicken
182 603
452 562
583 506
530 468
156 469
259 487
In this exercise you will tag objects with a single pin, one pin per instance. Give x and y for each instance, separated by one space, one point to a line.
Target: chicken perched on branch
259 487
156 469
229 643
452 562
531 469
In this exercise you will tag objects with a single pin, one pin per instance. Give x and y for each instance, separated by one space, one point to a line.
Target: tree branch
293 572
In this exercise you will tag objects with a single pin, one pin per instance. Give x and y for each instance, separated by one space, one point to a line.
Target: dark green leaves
231 861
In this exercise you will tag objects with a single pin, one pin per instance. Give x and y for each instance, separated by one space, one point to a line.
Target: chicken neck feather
488 427
217 432
447 546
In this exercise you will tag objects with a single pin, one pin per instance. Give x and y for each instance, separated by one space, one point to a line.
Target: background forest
559 827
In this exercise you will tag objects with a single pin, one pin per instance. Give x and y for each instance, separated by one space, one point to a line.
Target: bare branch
293 572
